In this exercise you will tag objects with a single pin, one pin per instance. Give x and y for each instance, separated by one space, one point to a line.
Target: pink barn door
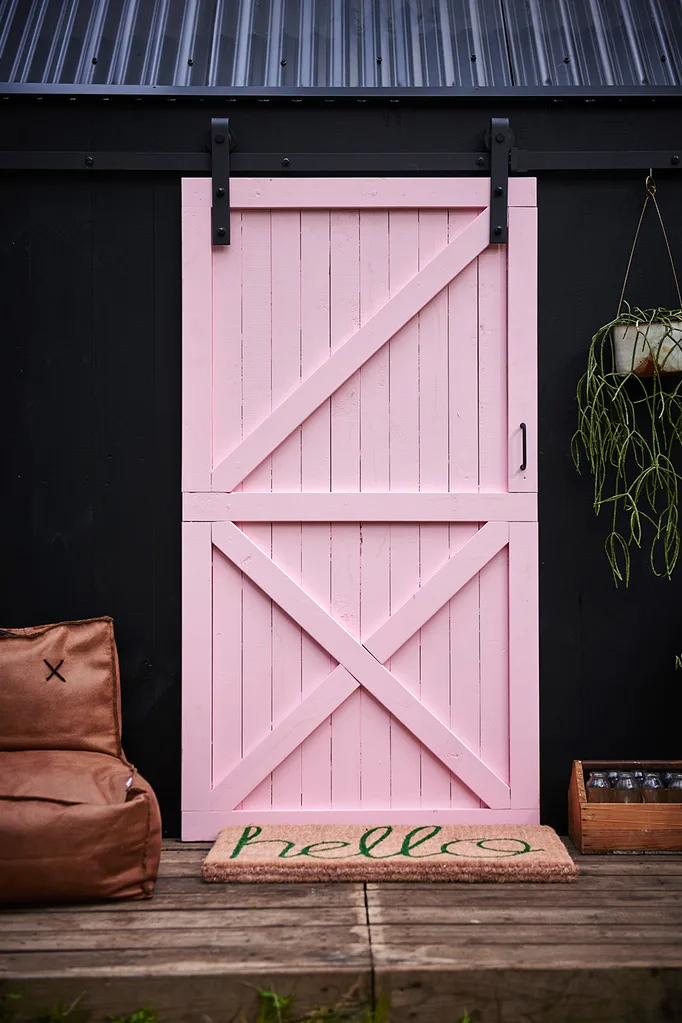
360 512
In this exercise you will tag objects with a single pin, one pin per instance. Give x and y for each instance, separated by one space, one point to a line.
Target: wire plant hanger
630 426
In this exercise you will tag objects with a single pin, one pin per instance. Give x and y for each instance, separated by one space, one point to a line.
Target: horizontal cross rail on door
393 507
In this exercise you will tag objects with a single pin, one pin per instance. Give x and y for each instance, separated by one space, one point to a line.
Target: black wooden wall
90 403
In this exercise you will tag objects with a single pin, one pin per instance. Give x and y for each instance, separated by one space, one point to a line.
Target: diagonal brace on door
403 306
361 665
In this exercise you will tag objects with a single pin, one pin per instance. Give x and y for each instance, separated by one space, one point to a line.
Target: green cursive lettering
247 837
366 848
506 852
305 851
408 844
481 844
250 837
373 837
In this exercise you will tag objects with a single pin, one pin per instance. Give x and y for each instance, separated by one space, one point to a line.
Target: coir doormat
338 852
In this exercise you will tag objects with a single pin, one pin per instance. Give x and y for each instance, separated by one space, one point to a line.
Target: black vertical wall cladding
608 684
90 270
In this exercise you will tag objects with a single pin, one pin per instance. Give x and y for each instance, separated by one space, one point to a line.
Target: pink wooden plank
434 540
463 476
433 367
404 476
524 739
345 466
204 826
492 369
359 662
523 327
493 445
465 696
227 424
359 346
286 475
372 193
196 349
357 193
315 475
393 507
195 192
375 549
256 404
494 669
227 667
463 371
286 738
256 676
227 347
374 293
420 607
196 665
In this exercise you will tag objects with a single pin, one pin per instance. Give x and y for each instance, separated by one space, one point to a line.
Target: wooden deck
608 948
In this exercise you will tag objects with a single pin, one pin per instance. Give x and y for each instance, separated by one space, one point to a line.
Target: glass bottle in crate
675 788
653 788
627 789
598 788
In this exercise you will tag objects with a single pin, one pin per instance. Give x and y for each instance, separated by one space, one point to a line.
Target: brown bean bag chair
77 821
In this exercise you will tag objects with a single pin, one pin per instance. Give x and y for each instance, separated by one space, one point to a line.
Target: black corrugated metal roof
280 45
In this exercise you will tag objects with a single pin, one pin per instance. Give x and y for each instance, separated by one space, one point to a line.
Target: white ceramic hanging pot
647 348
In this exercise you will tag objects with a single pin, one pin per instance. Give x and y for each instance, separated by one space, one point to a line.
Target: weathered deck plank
177 919
551 995
608 948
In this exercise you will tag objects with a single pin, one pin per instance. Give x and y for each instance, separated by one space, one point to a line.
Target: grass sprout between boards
272 1008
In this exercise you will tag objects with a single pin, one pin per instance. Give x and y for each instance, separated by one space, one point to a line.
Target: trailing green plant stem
632 466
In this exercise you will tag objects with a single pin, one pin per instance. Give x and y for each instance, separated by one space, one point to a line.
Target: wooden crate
622 827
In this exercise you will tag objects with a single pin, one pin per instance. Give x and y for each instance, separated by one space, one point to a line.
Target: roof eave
504 93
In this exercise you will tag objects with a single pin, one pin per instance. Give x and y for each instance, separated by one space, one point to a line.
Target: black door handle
524 455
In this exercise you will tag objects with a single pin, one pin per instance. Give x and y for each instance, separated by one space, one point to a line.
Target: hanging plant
630 426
